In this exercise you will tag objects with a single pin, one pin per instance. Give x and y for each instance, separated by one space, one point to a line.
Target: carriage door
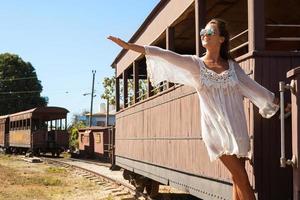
294 76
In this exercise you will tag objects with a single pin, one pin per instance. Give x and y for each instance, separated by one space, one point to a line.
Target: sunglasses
208 32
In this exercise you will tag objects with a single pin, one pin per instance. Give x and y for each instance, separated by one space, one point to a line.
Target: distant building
99 118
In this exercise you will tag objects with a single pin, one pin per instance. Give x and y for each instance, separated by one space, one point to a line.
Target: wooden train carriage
158 131
41 129
86 143
4 126
96 142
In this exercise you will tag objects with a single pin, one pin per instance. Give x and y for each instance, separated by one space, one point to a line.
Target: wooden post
294 74
200 21
117 93
135 81
170 40
107 113
256 25
125 87
66 122
149 88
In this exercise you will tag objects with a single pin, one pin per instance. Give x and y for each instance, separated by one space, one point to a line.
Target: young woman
221 85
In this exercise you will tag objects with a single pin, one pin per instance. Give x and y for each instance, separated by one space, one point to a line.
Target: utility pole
92 97
107 112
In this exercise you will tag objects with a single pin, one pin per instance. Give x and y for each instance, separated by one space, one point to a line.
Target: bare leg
234 192
240 178
234 188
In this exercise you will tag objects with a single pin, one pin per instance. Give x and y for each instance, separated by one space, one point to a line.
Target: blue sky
66 39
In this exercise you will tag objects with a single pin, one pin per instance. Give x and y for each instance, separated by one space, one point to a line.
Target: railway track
111 187
113 183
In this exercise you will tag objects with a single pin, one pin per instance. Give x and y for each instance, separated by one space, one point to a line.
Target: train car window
24 125
58 124
28 124
63 124
81 138
43 125
98 138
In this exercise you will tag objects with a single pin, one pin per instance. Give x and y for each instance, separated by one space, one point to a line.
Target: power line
6 99
16 79
21 92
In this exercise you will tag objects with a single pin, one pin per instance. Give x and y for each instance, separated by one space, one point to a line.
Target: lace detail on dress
211 78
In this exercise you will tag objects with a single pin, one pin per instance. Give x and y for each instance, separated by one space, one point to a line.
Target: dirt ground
20 180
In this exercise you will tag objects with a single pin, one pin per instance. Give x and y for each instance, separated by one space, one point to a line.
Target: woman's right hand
118 41
126 45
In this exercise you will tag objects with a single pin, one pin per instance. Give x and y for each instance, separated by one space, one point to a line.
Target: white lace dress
223 121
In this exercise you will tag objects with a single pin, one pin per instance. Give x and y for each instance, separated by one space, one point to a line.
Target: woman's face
211 38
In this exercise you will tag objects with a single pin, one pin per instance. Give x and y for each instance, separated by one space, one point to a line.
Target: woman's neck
212 56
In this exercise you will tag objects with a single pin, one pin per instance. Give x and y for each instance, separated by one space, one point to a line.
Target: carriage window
58 125
28 124
98 138
24 127
43 125
81 138
20 125
63 124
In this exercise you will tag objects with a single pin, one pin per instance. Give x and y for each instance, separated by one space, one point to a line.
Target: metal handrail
283 160
284 25
240 46
238 35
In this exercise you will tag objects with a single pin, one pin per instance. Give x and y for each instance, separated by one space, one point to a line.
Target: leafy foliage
109 90
19 86
73 131
109 85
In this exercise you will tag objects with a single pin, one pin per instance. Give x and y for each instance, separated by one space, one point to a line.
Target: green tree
109 85
109 90
73 131
20 88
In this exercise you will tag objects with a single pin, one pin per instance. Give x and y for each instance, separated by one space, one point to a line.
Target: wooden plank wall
166 132
270 181
20 138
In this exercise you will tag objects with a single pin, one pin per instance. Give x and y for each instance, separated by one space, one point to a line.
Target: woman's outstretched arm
187 62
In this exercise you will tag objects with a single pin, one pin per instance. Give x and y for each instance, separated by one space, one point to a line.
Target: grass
56 170
21 180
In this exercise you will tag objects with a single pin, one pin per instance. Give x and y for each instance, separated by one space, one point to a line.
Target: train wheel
152 188
139 186
57 153
7 151
139 183
126 174
36 152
